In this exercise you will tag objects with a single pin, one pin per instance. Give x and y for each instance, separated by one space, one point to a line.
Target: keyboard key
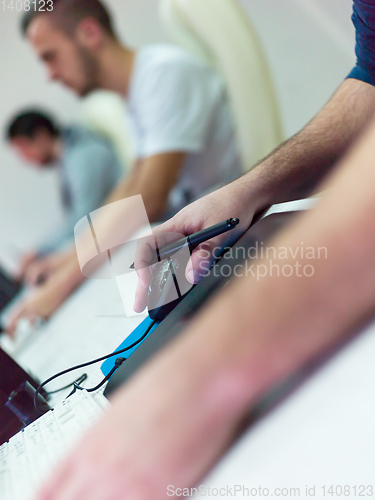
29 456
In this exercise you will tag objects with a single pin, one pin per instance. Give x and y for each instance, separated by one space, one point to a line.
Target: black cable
76 385
79 380
83 365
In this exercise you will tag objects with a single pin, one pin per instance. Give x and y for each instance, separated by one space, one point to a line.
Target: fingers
146 256
38 306
203 257
27 261
200 263
146 252
36 274
19 313
141 293
148 248
40 270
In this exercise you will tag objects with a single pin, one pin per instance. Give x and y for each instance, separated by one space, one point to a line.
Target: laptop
9 288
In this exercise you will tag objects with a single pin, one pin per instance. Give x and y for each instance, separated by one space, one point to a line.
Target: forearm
153 179
134 185
116 224
123 187
294 169
278 325
258 332
68 277
290 172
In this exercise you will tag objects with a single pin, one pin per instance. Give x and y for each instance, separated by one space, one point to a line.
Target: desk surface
90 324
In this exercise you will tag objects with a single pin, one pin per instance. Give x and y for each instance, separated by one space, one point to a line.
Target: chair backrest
220 32
105 112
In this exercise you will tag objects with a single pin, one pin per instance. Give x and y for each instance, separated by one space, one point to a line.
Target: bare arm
292 171
196 391
296 167
153 178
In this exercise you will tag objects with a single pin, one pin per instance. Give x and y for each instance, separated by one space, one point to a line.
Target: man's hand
41 269
291 172
231 201
45 299
27 260
41 304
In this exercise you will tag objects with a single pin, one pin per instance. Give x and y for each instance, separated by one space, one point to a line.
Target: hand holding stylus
204 214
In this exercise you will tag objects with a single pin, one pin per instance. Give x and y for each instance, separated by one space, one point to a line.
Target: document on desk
28 458
292 206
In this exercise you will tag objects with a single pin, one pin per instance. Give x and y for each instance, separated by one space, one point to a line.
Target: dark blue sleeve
364 23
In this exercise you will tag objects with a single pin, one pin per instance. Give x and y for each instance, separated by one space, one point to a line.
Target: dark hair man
88 170
180 114
183 129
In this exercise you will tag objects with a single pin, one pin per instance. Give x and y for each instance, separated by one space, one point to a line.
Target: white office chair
220 32
105 113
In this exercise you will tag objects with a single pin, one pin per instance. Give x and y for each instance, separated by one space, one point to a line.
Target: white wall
310 45
28 198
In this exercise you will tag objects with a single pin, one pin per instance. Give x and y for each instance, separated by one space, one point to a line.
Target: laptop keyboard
28 457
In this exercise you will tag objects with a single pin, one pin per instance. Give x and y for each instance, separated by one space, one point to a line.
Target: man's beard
48 160
90 68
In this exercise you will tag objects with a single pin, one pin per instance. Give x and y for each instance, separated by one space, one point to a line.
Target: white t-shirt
179 104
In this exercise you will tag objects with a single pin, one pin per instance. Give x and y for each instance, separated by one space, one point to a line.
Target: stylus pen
194 240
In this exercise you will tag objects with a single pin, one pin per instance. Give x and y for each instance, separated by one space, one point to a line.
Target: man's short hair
67 14
29 123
